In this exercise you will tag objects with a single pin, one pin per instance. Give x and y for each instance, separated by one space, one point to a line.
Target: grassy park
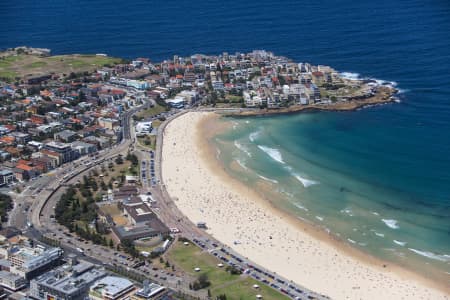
13 66
189 257
150 112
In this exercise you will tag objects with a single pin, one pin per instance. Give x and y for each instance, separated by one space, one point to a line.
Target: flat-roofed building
65 151
68 282
149 291
111 288
12 281
29 262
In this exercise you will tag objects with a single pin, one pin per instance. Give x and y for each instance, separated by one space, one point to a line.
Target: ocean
378 177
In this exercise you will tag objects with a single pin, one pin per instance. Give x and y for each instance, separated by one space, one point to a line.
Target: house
21 138
108 123
44 163
55 157
26 171
7 140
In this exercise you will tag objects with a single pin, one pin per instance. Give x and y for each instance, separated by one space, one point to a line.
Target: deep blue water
403 148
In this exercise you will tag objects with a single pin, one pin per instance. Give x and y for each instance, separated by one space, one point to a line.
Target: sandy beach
204 192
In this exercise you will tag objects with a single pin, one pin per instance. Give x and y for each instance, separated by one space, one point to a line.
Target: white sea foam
300 206
247 122
319 218
290 195
400 243
390 223
351 241
375 213
350 75
267 179
242 148
275 154
254 135
385 82
241 164
402 91
306 182
347 211
431 255
362 244
379 234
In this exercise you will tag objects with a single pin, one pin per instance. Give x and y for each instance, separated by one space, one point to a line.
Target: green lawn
36 64
152 111
22 65
243 289
8 75
234 286
143 141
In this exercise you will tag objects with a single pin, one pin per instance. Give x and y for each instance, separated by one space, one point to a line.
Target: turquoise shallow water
346 173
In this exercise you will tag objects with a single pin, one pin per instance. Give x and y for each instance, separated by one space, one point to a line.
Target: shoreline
384 96
328 258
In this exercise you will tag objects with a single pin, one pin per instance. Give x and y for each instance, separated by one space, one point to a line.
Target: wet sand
204 192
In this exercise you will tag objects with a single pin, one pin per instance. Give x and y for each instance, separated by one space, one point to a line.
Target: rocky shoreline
384 95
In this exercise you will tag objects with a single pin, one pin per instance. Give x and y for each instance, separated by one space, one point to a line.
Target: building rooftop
69 279
58 145
149 290
112 286
34 257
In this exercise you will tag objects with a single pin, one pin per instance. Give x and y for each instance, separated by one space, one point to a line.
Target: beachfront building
251 99
111 288
143 128
177 102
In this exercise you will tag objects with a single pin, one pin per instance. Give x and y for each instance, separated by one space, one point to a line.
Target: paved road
41 212
173 217
41 209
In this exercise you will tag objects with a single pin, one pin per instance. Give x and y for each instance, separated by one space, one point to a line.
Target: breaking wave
275 154
378 234
431 255
254 135
306 182
349 75
390 223
241 164
300 206
400 243
267 179
242 148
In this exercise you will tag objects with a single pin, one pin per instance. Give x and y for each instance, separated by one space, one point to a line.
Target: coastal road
174 218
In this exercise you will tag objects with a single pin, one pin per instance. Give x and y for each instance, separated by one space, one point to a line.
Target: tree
119 160
5 206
